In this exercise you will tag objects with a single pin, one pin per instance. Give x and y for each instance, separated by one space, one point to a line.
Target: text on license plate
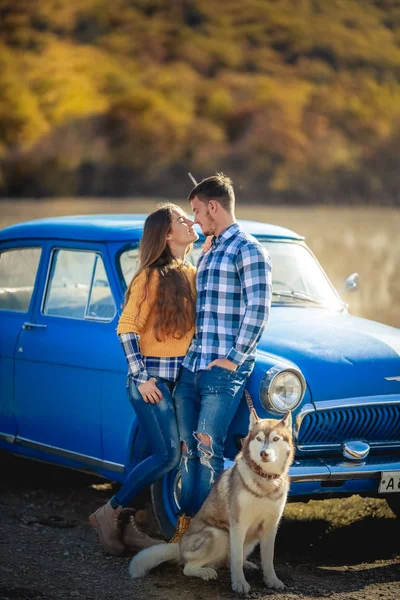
390 482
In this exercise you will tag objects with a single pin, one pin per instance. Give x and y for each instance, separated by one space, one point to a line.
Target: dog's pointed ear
287 420
253 418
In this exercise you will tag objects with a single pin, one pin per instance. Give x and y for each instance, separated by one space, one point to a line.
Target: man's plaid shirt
233 300
141 368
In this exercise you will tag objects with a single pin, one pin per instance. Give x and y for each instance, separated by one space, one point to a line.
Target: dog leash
249 400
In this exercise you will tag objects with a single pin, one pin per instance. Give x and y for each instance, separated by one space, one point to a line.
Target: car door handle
33 326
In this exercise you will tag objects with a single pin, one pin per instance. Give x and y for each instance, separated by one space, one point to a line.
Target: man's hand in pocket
224 363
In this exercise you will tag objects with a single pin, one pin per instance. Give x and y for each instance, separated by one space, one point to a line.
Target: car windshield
297 278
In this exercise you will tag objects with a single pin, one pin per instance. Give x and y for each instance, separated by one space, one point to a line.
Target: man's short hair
218 188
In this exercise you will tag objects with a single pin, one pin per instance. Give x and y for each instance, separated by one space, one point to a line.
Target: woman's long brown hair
175 304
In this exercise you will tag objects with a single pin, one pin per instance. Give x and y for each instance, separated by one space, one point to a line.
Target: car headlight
282 389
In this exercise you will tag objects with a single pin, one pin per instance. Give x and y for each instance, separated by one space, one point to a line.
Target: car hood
340 356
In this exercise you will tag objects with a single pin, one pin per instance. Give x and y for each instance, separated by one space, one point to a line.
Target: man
232 309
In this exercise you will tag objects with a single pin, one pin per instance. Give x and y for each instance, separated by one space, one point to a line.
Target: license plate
390 482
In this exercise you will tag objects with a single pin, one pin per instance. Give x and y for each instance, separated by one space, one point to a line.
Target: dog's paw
207 573
274 583
250 565
241 586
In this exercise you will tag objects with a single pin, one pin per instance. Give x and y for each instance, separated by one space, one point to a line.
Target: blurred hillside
297 100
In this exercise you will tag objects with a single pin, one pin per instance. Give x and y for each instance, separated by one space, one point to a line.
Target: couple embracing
190 340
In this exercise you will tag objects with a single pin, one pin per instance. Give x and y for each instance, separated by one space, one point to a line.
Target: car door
121 443
19 267
63 354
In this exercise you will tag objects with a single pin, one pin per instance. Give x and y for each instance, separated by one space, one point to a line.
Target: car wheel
165 493
394 503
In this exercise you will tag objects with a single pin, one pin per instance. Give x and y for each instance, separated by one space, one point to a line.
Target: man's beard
211 225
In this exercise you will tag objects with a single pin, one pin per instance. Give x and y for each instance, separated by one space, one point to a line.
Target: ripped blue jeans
205 403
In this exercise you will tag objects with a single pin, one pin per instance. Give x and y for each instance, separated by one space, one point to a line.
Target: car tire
165 500
394 503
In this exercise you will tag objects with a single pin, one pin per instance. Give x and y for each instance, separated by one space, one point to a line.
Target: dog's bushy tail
151 557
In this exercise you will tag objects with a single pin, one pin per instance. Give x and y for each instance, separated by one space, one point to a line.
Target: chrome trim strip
319 447
87 460
384 444
345 475
353 402
7 437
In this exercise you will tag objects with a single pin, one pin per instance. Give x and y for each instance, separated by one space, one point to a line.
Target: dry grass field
362 239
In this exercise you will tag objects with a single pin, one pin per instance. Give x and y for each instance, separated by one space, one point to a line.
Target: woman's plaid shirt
233 300
141 368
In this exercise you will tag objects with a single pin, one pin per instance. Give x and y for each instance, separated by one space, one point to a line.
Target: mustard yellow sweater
139 317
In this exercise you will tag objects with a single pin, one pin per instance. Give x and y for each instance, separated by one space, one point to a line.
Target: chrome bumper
341 470
318 469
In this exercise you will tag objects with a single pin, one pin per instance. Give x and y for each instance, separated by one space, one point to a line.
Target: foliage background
297 100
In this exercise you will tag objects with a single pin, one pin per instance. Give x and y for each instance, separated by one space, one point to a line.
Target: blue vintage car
63 372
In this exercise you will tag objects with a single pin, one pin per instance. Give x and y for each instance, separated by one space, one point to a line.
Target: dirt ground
346 549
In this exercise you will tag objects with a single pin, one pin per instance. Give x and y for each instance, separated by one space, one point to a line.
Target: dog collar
256 469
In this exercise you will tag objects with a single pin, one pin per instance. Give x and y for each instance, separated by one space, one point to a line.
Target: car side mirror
352 283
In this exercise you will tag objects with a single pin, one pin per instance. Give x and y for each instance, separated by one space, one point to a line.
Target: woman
160 308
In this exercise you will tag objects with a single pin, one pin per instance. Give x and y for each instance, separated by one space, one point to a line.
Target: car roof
114 228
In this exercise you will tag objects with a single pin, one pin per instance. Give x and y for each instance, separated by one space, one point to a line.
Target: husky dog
243 509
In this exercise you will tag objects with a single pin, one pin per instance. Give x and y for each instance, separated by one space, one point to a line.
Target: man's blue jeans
205 403
158 424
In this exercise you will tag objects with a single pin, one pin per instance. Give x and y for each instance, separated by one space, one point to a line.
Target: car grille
373 424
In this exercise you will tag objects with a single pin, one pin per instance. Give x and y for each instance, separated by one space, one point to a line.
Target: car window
101 303
18 269
296 273
78 287
194 256
129 261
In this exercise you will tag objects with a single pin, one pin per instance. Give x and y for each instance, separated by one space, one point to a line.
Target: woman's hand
150 391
